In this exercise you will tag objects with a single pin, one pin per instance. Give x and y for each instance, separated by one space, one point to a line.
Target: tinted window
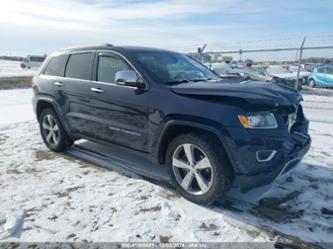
37 59
56 66
329 70
79 66
321 70
108 67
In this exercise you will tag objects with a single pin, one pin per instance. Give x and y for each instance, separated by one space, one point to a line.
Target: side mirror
129 78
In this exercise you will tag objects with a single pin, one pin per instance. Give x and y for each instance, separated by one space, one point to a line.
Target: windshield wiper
177 81
188 80
203 79
197 80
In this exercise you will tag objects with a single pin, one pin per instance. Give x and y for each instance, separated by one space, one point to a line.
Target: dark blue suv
210 133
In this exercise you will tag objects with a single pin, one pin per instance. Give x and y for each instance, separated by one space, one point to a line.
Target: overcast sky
36 26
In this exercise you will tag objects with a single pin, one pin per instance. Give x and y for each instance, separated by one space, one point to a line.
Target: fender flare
206 127
56 108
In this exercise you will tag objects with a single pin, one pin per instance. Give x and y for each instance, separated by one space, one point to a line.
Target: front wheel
199 168
53 134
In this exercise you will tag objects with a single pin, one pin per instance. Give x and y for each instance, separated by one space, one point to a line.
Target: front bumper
283 148
249 181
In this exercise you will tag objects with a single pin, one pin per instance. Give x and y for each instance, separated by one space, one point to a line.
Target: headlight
263 120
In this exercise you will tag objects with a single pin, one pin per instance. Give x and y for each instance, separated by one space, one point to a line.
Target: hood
251 91
291 76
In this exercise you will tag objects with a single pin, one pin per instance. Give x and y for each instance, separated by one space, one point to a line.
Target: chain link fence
308 69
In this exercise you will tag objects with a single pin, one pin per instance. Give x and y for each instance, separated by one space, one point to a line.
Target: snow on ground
66 199
10 68
16 106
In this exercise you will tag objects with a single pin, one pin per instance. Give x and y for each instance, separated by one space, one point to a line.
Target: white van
32 61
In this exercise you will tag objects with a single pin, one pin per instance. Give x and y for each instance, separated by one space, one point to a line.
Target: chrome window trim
94 81
126 60
50 77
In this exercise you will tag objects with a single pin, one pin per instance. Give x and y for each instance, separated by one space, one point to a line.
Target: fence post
299 63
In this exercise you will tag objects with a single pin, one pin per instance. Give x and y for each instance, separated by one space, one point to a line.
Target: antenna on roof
108 44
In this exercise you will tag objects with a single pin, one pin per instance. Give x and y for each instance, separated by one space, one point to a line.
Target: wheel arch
173 128
43 102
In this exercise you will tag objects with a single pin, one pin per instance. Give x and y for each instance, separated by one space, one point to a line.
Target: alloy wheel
51 130
192 169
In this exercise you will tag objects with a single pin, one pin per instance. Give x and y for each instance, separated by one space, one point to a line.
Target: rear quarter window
56 66
79 66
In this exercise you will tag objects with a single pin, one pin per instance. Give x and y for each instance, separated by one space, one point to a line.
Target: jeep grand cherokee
173 110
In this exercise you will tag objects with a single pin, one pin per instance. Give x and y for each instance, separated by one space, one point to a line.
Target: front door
119 111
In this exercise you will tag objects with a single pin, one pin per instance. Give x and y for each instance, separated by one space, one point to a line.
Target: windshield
277 70
170 67
258 70
294 69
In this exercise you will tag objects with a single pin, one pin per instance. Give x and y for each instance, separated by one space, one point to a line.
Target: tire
312 83
54 137
218 175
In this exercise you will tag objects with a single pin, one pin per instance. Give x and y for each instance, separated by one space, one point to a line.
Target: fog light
265 155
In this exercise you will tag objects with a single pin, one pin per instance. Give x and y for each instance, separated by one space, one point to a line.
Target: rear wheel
312 83
199 168
53 134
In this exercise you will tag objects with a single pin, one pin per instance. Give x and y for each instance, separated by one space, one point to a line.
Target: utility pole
299 62
200 52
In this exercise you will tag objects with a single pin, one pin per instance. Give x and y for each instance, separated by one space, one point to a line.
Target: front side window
79 66
108 66
56 66
170 67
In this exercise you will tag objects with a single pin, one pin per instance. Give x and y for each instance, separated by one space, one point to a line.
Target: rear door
51 79
75 84
119 112
329 76
321 75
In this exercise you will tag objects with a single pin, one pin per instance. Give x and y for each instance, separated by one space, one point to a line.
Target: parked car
258 74
225 70
321 76
303 74
309 66
32 61
169 108
283 76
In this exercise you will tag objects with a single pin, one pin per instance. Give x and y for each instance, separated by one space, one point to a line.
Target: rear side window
321 70
329 70
79 66
56 66
108 66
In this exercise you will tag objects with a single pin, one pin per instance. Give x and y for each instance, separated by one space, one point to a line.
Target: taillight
33 83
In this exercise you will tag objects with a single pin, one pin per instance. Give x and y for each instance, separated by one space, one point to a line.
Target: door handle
57 83
96 90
